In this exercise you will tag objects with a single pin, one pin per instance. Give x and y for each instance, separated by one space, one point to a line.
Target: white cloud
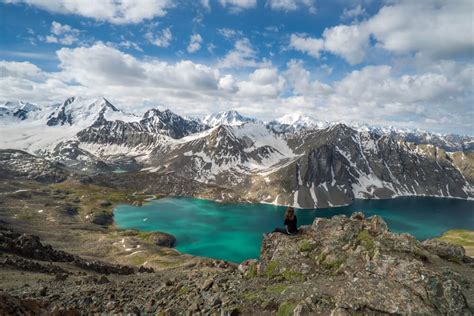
311 46
229 33
263 82
242 55
113 11
350 42
355 12
238 5
326 68
107 66
378 95
20 70
129 44
205 4
227 83
440 29
433 34
62 34
194 43
162 39
440 93
300 80
292 5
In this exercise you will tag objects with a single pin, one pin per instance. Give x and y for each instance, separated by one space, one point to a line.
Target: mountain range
294 160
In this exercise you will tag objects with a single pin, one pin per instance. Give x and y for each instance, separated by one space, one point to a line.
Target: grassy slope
461 237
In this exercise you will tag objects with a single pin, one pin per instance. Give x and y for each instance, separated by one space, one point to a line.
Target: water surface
233 232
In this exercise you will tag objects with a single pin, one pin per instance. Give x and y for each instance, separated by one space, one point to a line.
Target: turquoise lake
233 232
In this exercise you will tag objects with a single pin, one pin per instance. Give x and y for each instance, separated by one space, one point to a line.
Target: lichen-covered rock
370 269
445 250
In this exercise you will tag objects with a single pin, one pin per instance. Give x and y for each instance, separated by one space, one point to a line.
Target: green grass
272 269
320 258
293 276
462 237
366 240
276 289
251 296
92 196
25 217
183 291
286 309
335 264
252 272
306 246
137 260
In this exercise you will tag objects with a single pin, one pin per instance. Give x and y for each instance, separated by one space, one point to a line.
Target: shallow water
233 232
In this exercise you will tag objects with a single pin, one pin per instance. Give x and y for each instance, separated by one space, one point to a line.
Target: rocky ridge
310 165
340 266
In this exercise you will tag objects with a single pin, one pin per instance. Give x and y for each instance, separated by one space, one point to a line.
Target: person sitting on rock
290 223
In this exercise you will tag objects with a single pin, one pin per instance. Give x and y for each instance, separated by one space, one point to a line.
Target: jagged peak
229 117
165 114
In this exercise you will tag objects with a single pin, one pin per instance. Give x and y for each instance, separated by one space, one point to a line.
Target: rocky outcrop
337 266
445 250
30 247
371 269
17 164
102 218
162 239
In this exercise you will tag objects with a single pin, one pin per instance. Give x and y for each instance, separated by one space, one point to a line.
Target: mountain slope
293 161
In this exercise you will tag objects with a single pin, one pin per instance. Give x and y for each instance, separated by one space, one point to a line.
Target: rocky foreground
337 266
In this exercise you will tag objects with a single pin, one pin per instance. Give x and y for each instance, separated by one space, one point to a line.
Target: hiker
290 223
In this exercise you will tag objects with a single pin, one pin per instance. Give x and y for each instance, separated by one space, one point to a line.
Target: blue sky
379 62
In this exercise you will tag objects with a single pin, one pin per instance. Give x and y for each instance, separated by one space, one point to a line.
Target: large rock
366 268
445 250
163 239
102 218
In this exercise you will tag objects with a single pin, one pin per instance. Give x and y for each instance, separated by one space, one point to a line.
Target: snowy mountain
293 160
14 111
295 122
227 118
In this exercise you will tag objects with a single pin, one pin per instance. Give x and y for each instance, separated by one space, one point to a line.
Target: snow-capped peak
19 110
231 117
296 119
83 111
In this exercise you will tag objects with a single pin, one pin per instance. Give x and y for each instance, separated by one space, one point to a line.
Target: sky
403 63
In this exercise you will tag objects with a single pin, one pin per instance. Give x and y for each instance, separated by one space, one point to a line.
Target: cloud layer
373 94
113 11
429 29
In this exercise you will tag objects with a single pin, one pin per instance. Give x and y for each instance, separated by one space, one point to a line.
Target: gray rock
377 271
445 250
207 284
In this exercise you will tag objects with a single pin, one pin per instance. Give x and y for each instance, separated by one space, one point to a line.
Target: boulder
162 239
105 203
71 209
102 218
445 250
246 265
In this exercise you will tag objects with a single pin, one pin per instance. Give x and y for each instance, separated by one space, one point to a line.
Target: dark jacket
291 225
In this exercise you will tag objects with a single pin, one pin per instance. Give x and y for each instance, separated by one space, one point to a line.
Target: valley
65 168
